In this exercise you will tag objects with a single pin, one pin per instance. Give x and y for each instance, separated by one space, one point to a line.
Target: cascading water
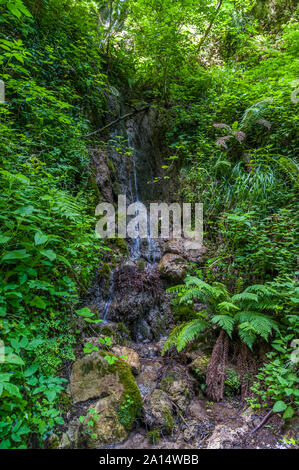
108 303
131 294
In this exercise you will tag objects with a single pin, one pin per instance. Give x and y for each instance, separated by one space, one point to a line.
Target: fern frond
245 296
261 325
260 289
227 307
254 112
290 168
189 332
247 334
225 322
172 338
176 289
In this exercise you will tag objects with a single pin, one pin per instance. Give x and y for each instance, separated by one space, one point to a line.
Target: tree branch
268 415
121 118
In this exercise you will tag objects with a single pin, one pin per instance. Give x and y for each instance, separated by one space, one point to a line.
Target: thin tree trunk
209 27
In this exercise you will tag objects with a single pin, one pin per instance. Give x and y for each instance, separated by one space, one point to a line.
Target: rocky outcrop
158 412
103 376
140 303
177 253
100 162
173 267
199 366
130 356
184 247
178 385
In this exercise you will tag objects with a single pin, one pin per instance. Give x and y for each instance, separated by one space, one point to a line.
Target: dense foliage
48 246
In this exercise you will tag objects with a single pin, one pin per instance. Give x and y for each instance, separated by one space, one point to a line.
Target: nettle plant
89 348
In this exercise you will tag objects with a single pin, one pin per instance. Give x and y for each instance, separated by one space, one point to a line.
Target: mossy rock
158 412
53 442
153 436
141 264
116 188
120 244
105 271
184 313
131 397
111 167
199 367
99 375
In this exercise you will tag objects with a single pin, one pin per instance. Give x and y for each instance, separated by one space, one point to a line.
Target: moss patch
131 397
183 313
153 436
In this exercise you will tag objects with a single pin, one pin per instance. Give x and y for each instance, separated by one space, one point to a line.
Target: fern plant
247 312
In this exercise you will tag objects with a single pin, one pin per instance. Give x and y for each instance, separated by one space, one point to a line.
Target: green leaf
38 302
279 406
85 312
31 370
12 389
15 254
4 239
40 238
5 377
50 254
51 395
288 413
14 10
14 359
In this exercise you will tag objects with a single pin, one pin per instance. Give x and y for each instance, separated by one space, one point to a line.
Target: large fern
246 311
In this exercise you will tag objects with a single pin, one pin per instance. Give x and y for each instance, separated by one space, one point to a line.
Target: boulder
147 380
107 427
71 438
178 385
130 356
199 366
158 412
186 248
173 267
119 401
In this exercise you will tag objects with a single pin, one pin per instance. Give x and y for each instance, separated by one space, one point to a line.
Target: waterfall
108 303
131 177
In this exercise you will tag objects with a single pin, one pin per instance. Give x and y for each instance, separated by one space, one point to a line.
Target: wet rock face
99 160
140 303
